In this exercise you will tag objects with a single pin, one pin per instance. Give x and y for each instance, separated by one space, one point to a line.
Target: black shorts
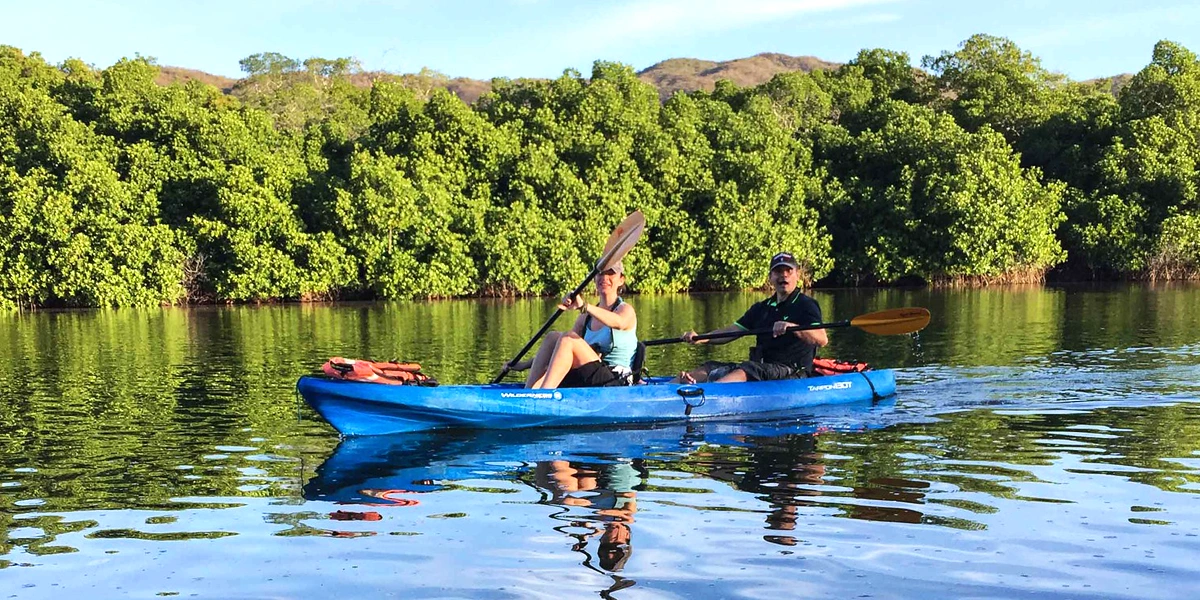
593 374
755 371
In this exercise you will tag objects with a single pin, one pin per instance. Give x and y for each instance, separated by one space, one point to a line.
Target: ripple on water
1053 468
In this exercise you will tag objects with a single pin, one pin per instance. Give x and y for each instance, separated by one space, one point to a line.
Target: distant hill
690 74
469 90
1114 83
669 76
169 75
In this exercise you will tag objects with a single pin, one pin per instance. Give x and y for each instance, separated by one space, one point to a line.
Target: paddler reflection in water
788 472
610 490
598 350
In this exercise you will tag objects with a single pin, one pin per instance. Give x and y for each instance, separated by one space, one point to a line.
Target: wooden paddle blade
622 240
896 321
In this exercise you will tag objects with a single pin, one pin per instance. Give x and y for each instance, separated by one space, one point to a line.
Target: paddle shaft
537 336
734 334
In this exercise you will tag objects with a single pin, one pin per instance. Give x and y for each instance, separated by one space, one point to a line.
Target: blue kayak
358 408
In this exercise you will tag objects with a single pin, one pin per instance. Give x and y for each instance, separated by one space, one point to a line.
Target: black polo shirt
786 349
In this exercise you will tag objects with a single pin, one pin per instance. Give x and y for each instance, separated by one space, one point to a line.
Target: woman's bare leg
542 358
570 353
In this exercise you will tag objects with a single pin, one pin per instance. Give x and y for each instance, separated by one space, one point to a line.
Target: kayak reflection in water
610 490
597 351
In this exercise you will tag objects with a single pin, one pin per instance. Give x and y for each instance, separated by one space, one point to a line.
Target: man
779 354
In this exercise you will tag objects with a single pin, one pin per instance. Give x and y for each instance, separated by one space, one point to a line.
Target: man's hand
779 328
690 337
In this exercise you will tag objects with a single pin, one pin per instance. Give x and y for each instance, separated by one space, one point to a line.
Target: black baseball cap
784 258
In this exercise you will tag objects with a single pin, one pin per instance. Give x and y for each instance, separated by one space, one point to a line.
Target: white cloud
656 19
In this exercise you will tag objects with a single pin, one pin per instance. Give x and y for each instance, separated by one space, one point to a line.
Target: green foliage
1105 231
1168 87
923 197
71 231
28 71
892 76
990 81
1177 251
268 63
797 101
762 181
1070 142
850 90
316 92
1130 162
437 164
1145 175
314 179
255 247
593 151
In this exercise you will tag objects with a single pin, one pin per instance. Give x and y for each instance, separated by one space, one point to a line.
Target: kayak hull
357 408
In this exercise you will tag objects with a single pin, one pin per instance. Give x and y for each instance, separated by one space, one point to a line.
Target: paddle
896 321
618 245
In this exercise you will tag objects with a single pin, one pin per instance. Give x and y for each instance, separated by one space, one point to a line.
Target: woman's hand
690 337
522 365
572 303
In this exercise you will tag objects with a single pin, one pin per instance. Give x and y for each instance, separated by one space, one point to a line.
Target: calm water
1044 443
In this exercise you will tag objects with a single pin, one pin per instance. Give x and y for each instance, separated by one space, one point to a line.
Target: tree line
307 183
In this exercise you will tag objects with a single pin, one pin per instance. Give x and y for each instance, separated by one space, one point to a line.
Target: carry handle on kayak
688 393
897 321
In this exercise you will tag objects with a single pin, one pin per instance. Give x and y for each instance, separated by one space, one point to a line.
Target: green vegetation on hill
669 76
314 179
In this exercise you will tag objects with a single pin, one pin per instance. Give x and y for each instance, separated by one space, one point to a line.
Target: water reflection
959 473
608 492
789 473
611 502
1042 438
594 479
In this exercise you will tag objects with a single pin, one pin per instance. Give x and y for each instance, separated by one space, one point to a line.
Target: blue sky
540 38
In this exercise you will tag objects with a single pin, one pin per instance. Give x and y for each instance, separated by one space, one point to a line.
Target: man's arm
811 316
689 336
814 336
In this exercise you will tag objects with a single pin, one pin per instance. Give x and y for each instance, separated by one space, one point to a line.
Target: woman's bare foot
685 377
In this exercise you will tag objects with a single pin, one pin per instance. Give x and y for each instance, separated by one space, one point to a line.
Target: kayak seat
637 366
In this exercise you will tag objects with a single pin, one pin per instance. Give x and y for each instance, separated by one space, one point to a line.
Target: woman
598 350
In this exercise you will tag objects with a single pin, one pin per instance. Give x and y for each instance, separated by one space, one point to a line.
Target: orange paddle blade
896 321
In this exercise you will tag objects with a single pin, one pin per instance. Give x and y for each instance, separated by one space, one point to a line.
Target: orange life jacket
392 373
829 366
